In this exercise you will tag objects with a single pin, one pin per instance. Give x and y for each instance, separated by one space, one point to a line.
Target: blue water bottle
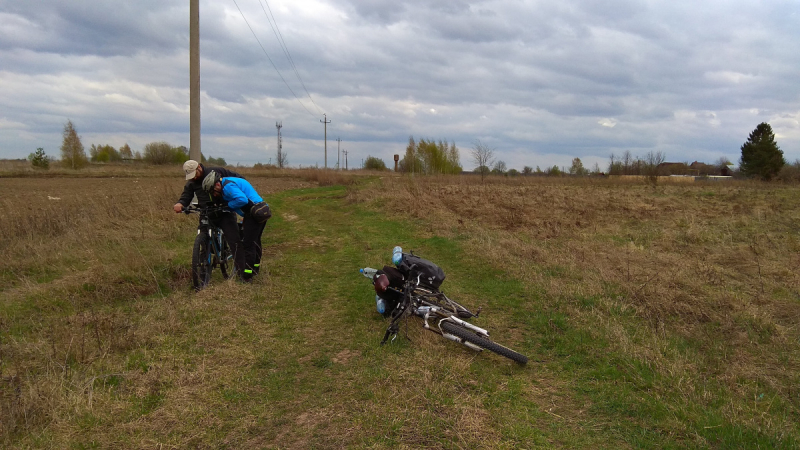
380 304
397 255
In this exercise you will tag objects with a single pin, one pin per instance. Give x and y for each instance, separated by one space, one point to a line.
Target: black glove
246 208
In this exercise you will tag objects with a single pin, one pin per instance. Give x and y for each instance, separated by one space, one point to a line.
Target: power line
270 59
279 36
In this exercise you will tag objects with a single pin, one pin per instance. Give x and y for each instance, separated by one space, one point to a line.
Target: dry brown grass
712 264
79 255
104 344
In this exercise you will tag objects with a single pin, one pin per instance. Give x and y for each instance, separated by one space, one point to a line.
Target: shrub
430 157
373 163
790 173
163 153
553 171
219 162
104 153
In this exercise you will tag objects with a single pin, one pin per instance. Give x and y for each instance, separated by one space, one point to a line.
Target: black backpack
430 275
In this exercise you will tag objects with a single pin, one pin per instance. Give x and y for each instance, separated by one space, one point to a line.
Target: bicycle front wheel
226 259
201 261
482 342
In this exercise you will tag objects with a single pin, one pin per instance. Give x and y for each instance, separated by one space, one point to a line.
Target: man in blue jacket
243 199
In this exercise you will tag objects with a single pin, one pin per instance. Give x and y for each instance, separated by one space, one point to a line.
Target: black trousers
228 223
251 239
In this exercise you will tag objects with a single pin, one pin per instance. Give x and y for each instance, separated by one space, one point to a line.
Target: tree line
73 153
424 157
761 158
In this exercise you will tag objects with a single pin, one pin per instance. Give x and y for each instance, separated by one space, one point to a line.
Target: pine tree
39 159
761 156
72 153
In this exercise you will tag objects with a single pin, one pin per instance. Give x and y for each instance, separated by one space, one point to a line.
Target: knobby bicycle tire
480 341
201 269
226 257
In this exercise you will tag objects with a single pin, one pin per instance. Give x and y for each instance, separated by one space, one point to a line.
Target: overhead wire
279 36
270 59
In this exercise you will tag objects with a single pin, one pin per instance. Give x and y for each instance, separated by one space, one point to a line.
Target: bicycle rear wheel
201 261
483 342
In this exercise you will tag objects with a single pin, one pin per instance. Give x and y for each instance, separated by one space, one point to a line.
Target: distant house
672 168
703 169
696 168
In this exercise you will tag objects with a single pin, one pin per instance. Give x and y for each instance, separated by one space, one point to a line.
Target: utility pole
194 81
338 143
344 152
326 122
279 125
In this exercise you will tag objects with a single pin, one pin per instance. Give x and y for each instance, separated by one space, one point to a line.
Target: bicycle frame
215 255
439 314
429 304
215 233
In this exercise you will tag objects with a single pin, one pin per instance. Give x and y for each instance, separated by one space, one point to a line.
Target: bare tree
283 159
652 164
628 163
483 155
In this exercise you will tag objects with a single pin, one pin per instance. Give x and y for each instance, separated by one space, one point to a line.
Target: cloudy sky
541 82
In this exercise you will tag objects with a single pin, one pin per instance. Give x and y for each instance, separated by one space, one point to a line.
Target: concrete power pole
326 122
279 125
344 152
194 80
338 143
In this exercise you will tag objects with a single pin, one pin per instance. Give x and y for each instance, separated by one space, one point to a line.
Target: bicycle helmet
210 180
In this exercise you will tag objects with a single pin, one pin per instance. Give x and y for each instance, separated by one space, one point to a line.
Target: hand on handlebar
213 209
178 208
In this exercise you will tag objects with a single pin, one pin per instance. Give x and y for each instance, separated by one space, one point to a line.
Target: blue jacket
237 192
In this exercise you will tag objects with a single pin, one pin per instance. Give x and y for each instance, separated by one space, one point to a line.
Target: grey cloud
95 28
533 77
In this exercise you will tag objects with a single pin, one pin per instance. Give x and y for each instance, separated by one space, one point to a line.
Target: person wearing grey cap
195 172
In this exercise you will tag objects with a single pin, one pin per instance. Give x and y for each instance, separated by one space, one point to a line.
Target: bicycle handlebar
205 210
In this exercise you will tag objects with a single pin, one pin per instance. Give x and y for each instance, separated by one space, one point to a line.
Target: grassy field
654 317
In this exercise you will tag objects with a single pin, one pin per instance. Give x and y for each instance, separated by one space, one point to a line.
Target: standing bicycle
240 196
211 249
225 219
